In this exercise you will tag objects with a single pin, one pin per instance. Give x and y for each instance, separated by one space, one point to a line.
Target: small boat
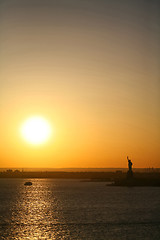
28 183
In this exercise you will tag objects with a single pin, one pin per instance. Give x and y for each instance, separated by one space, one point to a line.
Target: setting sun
36 130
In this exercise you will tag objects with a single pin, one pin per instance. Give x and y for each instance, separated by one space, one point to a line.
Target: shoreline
115 178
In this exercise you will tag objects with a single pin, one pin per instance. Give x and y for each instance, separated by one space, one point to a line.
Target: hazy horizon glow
89 67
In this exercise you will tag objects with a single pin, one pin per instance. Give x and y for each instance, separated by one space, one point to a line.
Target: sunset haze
92 70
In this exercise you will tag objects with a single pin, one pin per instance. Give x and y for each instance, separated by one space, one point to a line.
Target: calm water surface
70 209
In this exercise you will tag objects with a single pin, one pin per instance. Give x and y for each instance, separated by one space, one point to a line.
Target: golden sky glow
91 69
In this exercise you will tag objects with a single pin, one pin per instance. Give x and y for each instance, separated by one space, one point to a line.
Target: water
70 209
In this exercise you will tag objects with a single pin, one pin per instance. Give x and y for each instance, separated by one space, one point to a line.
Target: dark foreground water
68 209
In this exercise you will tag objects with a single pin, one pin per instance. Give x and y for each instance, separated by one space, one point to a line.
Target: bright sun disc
36 130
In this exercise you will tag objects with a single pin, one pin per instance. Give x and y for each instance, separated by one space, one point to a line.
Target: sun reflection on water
38 213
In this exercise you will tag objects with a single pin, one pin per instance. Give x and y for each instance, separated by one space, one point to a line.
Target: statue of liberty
130 172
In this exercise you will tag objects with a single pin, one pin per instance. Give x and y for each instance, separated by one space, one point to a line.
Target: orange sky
91 68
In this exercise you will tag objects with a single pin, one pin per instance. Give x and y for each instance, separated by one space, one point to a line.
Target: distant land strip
98 176
149 169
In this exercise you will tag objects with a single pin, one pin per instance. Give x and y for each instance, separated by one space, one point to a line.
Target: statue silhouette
130 172
129 164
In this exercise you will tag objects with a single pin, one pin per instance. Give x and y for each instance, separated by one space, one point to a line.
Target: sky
92 69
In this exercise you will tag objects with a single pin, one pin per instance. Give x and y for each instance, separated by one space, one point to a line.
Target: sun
36 130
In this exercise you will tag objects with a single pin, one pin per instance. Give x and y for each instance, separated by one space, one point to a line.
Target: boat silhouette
28 183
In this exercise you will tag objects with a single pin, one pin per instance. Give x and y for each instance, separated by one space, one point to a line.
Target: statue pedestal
129 175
